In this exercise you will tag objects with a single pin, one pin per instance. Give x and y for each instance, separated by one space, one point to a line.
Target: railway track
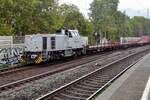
12 70
57 69
86 87
7 71
21 68
19 82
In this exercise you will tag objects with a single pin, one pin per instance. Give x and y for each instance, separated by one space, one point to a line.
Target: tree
102 14
6 17
100 9
21 17
141 26
72 18
29 16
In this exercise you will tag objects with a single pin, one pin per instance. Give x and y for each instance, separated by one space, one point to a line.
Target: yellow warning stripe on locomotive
23 60
38 60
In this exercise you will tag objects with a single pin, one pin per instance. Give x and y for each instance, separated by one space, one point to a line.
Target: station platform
132 85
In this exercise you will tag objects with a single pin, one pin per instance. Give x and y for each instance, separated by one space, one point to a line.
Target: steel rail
55 92
36 77
7 71
112 80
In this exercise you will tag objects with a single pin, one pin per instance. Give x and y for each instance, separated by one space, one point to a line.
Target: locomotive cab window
70 35
74 34
77 34
66 32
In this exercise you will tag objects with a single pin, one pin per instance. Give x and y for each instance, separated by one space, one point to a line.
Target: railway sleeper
99 80
102 82
81 90
4 88
91 82
57 98
86 88
104 76
77 94
90 85
69 97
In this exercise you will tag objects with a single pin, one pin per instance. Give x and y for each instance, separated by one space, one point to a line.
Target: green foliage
141 26
111 23
102 12
28 16
5 29
21 17
73 19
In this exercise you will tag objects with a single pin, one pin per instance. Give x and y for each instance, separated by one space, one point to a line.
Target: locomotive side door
44 43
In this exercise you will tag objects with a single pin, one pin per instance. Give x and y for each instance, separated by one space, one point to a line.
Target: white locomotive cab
75 40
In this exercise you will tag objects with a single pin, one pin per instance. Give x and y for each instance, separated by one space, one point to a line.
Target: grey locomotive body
44 47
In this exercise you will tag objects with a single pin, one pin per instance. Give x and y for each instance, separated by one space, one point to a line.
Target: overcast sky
132 7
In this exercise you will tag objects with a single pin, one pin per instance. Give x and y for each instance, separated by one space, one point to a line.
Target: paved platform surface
131 85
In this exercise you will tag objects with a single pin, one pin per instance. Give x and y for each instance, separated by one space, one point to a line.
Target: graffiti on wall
11 48
11 55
